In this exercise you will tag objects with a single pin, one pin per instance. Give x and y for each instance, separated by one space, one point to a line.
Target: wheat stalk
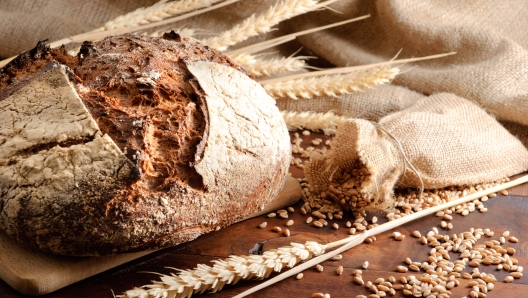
228 271
327 122
267 67
282 39
155 13
262 23
333 85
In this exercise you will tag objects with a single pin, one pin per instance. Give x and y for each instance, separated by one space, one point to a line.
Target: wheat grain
155 13
326 122
228 271
332 85
262 23
267 67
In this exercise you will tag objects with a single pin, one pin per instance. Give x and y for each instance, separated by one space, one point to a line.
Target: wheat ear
358 239
327 122
262 23
333 85
227 271
156 13
282 39
266 67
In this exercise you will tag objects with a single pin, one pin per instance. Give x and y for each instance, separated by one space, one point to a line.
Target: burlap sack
447 140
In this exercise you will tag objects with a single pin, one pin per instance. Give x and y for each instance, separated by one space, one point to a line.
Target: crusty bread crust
140 143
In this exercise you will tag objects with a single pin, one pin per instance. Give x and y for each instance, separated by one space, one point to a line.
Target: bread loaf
137 143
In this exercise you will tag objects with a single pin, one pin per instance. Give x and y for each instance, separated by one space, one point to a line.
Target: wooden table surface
504 213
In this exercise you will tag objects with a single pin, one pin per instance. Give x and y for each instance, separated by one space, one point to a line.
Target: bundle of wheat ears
282 77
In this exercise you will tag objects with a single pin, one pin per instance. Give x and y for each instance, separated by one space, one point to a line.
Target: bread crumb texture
138 143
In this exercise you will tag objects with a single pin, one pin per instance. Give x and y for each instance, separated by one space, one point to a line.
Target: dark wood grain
504 213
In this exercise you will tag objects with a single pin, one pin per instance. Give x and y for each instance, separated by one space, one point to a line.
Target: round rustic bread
137 143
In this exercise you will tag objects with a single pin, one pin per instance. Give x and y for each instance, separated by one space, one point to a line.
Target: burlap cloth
489 70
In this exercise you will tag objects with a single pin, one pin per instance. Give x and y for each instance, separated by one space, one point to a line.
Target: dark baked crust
141 94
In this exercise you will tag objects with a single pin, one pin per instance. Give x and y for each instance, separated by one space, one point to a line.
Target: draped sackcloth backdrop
488 77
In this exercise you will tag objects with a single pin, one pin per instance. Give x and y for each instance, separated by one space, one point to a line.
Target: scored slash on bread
137 143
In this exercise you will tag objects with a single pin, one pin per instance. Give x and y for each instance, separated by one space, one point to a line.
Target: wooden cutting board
34 272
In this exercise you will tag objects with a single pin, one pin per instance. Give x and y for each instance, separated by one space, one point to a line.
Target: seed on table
359 280
374 219
283 215
318 214
504 192
309 220
365 265
379 280
299 276
513 239
466 275
399 237
413 267
516 274
361 296
408 261
416 234
306 133
319 268
424 240
392 279
383 288
272 214
318 295
339 270
401 269
396 234
335 226
352 231
447 217
337 257
289 223
290 209
327 295
348 224
318 224
397 287
443 224
277 229
508 279
490 286
506 234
